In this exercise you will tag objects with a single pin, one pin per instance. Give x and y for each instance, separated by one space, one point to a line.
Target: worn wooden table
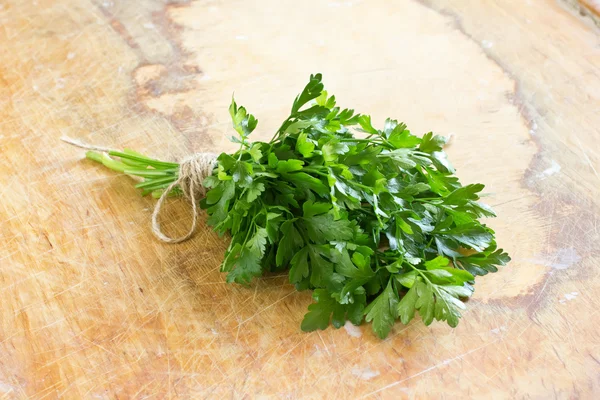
92 306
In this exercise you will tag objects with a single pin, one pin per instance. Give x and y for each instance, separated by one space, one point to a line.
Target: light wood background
588 8
93 306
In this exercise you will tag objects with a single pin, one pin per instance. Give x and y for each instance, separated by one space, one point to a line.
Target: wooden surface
589 8
93 306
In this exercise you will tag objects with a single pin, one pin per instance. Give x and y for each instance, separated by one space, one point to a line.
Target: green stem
315 171
157 174
428 198
106 161
360 186
420 272
280 130
151 162
374 142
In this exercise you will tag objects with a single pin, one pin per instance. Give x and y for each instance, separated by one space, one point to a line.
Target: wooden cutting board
93 306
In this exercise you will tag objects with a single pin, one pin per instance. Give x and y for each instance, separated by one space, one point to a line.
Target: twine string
192 172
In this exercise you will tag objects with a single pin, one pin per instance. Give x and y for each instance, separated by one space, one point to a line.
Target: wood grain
94 307
587 8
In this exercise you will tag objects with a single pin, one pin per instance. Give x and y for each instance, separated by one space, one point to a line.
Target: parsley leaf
326 308
290 241
382 311
243 266
325 227
311 91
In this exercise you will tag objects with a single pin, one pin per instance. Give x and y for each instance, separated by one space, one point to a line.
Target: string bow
192 172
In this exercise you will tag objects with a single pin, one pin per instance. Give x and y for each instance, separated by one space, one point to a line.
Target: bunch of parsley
378 227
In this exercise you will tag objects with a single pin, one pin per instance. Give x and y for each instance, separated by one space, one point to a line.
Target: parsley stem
315 171
382 143
357 140
420 272
427 198
252 225
279 131
360 186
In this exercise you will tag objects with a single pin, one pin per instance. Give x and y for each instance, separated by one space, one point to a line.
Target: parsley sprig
378 227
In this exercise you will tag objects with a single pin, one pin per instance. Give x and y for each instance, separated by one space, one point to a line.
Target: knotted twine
193 170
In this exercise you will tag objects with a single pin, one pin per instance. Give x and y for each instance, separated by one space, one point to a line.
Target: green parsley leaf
313 89
325 227
382 311
289 243
258 242
289 166
244 267
304 145
255 189
407 306
300 268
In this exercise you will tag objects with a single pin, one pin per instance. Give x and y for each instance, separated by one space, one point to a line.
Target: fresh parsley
377 226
